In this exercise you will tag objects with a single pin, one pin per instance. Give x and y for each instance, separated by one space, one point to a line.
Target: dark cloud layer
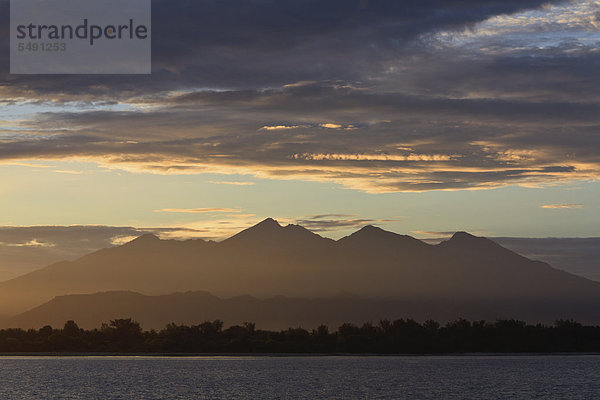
335 222
357 92
253 43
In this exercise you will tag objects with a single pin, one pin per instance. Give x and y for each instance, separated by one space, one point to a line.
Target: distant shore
283 355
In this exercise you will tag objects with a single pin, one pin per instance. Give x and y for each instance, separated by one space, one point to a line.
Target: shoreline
283 355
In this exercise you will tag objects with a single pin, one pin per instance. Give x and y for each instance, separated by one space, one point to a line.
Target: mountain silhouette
275 313
154 312
463 274
269 233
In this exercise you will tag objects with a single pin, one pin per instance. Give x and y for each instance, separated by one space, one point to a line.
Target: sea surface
449 377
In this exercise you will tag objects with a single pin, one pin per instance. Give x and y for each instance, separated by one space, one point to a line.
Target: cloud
30 165
431 95
198 210
31 243
336 222
373 157
203 43
330 125
562 206
445 149
69 172
233 183
279 127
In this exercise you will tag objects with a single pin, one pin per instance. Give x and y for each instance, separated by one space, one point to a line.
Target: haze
280 275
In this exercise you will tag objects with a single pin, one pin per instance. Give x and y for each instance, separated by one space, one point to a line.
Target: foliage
387 337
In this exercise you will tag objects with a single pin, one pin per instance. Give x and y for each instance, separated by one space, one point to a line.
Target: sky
422 117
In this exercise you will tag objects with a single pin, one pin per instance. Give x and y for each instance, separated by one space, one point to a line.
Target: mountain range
282 276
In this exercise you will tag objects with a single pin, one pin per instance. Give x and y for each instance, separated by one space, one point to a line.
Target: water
463 377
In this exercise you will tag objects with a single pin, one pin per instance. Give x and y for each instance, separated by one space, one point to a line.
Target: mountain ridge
268 260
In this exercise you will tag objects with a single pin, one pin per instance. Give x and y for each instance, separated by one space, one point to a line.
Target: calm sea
461 377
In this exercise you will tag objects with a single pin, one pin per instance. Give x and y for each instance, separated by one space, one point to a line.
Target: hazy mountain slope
189 308
579 256
270 260
154 312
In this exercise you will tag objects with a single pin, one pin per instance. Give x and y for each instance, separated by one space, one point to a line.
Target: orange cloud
562 206
279 127
373 157
330 125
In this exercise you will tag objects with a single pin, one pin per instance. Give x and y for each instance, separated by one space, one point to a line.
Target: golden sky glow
479 116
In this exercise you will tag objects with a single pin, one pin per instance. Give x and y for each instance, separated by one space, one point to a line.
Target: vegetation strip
125 336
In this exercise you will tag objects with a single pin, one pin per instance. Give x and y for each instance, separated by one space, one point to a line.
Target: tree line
402 336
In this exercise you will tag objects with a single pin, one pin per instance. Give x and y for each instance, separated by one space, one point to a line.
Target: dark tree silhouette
402 336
